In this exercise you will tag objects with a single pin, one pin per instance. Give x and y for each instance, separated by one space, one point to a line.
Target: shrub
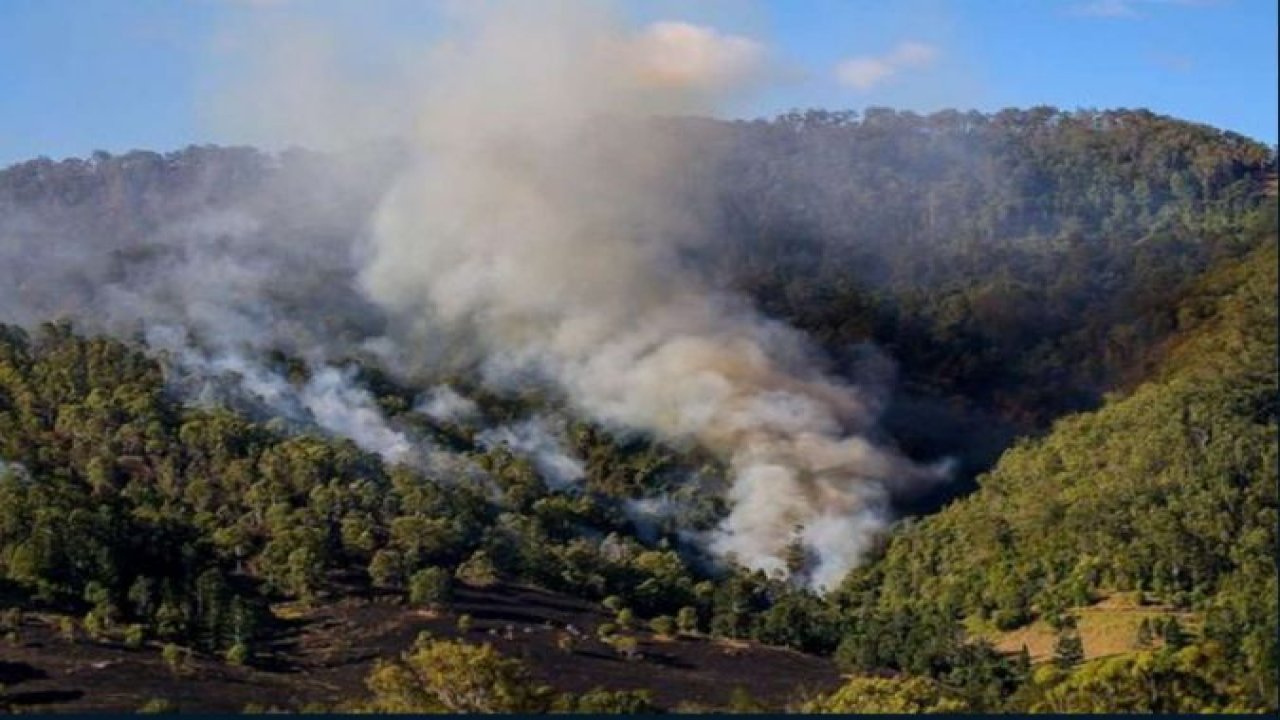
430 586
238 654
663 625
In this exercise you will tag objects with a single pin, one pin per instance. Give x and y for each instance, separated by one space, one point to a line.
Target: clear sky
80 75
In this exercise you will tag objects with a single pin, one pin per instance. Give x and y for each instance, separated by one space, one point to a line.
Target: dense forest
1078 307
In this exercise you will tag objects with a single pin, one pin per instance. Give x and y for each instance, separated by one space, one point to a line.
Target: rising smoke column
538 217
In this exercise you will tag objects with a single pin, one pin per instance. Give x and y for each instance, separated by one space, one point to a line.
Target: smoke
350 411
652 515
540 440
215 258
444 404
536 223
329 398
552 239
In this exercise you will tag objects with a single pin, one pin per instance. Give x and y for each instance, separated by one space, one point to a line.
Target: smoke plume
540 440
552 239
537 222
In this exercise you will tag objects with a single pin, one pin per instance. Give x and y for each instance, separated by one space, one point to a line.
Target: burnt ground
321 655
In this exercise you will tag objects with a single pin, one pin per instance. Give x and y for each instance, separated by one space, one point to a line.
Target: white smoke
346 410
554 242
216 258
329 399
536 220
540 440
651 515
444 404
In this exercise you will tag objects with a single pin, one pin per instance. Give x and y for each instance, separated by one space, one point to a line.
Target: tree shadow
12 673
43 697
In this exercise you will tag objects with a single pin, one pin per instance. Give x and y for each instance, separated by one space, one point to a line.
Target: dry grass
1109 627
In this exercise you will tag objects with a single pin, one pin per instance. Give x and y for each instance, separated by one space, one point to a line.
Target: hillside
1047 340
1011 266
1167 493
321 661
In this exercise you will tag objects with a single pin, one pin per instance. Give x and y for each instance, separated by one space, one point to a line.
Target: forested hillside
1020 264
210 445
1167 493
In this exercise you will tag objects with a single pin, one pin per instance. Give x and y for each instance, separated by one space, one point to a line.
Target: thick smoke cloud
534 223
542 441
554 240
216 259
444 404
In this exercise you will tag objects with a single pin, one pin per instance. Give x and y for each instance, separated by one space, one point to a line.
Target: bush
478 570
663 625
175 657
888 696
430 586
442 676
687 620
626 645
67 628
158 706
626 619
614 702
238 654
1068 650
134 636
386 569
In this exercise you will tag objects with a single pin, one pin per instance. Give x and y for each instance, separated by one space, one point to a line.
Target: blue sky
80 75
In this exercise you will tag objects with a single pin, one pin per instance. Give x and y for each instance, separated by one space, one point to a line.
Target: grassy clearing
1108 627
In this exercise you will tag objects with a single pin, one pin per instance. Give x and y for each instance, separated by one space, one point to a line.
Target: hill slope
1168 492
225 452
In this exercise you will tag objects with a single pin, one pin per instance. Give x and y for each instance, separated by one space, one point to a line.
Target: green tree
625 619
608 702
1175 638
386 569
663 625
431 586
687 620
868 695
176 658
442 676
1191 680
238 654
626 645
478 570
1068 649
1145 636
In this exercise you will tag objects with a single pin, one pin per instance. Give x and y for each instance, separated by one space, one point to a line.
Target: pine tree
1145 636
1068 651
1175 638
